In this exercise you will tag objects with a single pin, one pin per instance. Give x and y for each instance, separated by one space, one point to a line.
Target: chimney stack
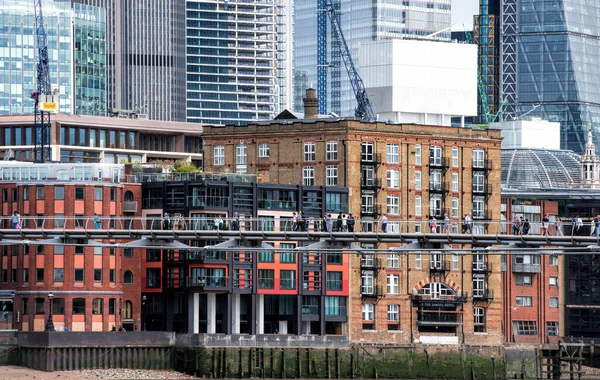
311 104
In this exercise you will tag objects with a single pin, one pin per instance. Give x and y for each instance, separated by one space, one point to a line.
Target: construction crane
364 110
43 97
487 116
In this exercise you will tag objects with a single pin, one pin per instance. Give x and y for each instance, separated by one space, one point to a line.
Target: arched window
437 290
128 277
128 196
128 310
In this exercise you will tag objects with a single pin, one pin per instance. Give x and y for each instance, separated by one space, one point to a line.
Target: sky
463 11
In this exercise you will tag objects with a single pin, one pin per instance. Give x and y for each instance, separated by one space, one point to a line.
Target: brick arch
426 281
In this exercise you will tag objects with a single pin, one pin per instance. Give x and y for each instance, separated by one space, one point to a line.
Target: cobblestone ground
12 372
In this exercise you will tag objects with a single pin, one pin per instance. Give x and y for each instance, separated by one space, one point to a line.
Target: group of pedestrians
343 223
520 226
298 222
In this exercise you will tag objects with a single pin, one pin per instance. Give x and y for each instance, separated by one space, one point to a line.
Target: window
39 193
153 254
435 155
393 313
455 207
478 207
39 306
287 257
523 279
266 278
392 154
59 193
393 261
79 193
97 306
478 182
59 274
331 175
524 301
111 275
455 261
455 182
97 193
553 301
553 281
454 156
479 320
334 280
417 180
25 306
418 261
128 277
78 275
310 151
393 205
113 194
393 179
58 306
265 256
478 158
25 193
553 260
240 158
418 155
287 279
219 155
331 151
418 205
367 283
264 151
127 252
524 327
153 277
13 195
97 275
39 275
78 305
392 283
308 176
112 303
367 151
552 328
368 312
25 275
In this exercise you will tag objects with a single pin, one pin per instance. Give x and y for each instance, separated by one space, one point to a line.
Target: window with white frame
524 301
478 285
418 261
392 154
455 262
552 328
331 151
553 301
553 260
418 227
368 311
435 180
310 150
418 180
368 150
219 155
367 283
478 207
455 207
478 158
368 176
240 158
435 155
553 281
393 227
393 313
435 205
418 155
308 176
479 320
393 205
393 281
331 175
367 204
393 179
525 327
418 205
454 156
393 261
523 279
455 182
478 182
264 151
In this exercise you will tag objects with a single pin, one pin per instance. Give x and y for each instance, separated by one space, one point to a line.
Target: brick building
409 173
86 281
232 287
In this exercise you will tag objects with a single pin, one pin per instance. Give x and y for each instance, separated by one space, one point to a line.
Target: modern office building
231 290
91 139
361 22
232 75
76 48
86 279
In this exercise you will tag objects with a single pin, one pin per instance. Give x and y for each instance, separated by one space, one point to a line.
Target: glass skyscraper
361 21
550 65
231 61
77 54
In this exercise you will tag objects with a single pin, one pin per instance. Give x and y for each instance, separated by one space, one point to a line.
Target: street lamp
50 323
144 312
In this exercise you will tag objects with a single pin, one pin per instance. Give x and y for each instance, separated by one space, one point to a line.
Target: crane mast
42 117
364 110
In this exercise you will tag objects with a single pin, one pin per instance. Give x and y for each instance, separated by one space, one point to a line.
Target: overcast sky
463 11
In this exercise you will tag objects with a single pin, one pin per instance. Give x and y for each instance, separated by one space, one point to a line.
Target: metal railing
181 177
206 282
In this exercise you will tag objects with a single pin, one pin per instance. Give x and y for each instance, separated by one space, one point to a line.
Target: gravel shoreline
14 372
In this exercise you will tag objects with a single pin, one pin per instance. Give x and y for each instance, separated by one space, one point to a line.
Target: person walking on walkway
351 222
384 223
558 226
96 221
545 225
16 220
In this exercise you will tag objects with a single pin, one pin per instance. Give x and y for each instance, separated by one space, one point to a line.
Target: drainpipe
345 165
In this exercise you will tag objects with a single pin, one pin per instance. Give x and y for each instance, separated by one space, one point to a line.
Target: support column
193 313
235 313
260 314
211 313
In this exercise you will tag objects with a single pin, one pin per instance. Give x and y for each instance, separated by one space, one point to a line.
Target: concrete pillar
211 313
235 313
260 314
462 121
193 313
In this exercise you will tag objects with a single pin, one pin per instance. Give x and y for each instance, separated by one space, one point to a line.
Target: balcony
207 282
479 266
372 291
310 309
483 295
525 268
370 264
203 201
175 283
439 266
438 187
440 299
439 162
130 206
481 215
209 255
370 159
370 183
482 165
268 204
434 317
370 210
482 189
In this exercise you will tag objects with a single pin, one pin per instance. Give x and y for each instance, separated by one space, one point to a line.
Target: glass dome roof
540 169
